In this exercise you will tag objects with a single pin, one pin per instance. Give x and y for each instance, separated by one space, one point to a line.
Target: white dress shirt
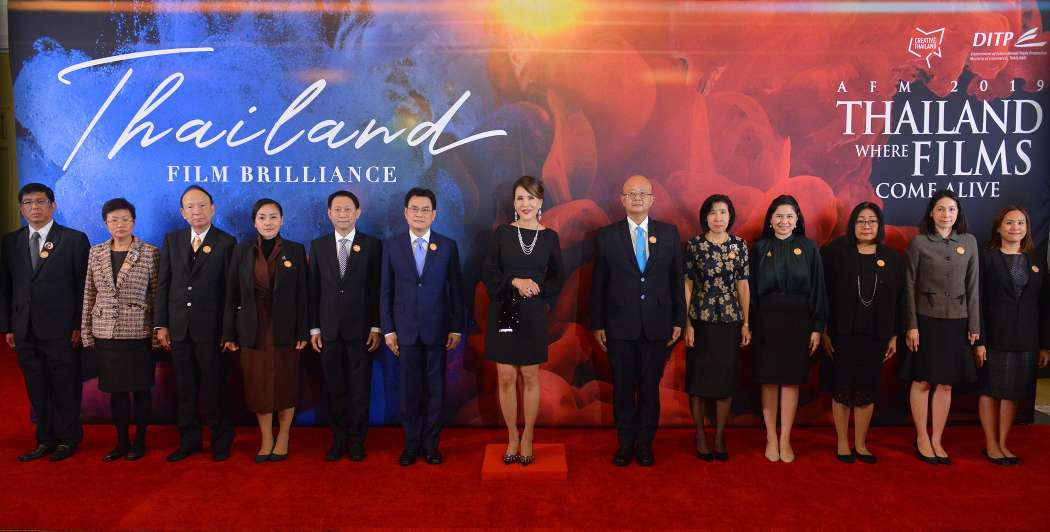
43 233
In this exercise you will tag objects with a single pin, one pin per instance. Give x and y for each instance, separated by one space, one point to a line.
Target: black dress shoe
645 457
722 456
62 451
220 455
136 452
407 458
846 458
622 457
357 452
1003 461
39 452
434 457
335 452
183 453
867 458
116 454
932 460
707 457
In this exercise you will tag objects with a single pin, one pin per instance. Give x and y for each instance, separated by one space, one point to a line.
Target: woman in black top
523 274
865 282
1015 300
790 308
718 299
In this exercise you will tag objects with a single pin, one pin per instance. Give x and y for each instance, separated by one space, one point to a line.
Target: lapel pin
881 263
960 250
769 253
433 247
49 245
357 248
798 251
1035 268
287 264
206 249
44 254
126 266
652 239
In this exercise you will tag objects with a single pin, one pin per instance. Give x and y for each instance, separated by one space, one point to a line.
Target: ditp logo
1003 38
926 44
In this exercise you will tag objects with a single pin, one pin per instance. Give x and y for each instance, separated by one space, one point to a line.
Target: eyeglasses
423 211
637 195
44 202
867 222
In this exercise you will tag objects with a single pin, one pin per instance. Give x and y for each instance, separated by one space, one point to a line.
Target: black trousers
422 394
51 369
637 366
347 369
200 368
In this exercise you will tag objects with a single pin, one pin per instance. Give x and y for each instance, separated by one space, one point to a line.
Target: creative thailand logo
926 44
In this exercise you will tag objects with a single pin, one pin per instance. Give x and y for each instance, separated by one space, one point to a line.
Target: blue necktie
421 255
639 247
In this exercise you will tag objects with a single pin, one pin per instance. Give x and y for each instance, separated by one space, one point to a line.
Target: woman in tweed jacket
118 321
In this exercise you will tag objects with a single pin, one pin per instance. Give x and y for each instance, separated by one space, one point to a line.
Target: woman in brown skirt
266 318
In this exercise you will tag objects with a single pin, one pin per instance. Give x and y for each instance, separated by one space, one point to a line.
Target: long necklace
527 249
874 289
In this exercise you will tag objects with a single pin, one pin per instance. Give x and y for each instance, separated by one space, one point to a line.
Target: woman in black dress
718 299
117 320
865 281
266 319
790 309
523 273
1015 302
943 318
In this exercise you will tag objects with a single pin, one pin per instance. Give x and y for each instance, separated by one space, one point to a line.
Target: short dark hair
117 204
30 188
264 202
709 205
423 193
784 199
851 233
195 187
996 240
343 194
530 184
926 225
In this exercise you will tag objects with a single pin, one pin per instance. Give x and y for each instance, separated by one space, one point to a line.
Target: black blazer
46 301
290 307
345 306
1008 322
629 303
191 292
840 275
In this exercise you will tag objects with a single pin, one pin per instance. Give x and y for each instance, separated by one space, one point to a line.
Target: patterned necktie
343 255
195 243
639 247
420 254
34 249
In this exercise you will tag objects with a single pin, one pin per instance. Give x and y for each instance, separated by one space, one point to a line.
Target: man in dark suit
344 313
421 314
42 275
637 314
191 291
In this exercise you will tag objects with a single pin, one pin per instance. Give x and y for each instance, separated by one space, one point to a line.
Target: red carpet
306 493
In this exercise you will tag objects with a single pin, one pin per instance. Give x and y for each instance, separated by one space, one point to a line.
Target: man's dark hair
343 194
195 187
30 188
424 193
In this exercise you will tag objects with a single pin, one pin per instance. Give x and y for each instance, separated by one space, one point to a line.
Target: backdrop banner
833 102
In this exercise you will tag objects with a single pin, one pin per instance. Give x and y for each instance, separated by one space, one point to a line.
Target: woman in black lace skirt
865 291
1015 301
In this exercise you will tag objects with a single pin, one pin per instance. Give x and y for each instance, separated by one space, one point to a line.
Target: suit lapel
330 256
202 255
427 258
129 262
54 236
24 260
651 246
627 244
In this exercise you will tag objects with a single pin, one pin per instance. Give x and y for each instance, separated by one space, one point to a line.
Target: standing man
344 316
191 295
42 275
637 313
421 312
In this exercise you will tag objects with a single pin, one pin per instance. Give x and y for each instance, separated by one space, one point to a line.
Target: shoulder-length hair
709 205
995 241
851 232
783 199
926 225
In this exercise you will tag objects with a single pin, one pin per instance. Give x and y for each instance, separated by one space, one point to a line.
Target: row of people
353 288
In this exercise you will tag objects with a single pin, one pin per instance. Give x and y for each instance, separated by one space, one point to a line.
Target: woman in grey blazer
942 317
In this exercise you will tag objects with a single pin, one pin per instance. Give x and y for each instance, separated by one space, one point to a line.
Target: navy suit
422 310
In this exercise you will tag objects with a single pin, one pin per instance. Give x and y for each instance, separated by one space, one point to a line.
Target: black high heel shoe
509 459
703 455
932 460
263 458
526 460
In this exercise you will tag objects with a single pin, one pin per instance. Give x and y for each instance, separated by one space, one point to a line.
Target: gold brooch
44 254
126 266
881 263
769 253
433 247
357 248
287 264
206 249
798 251
960 250
1035 268
732 256
652 240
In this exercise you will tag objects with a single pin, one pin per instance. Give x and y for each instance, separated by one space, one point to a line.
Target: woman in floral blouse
716 293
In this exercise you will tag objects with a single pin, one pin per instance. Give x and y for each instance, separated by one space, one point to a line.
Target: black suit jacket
47 301
290 308
628 303
191 293
1008 322
840 275
345 306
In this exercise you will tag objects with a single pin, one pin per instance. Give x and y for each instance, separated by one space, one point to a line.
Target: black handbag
509 315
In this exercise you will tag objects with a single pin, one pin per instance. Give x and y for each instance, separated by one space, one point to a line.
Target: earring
515 216
539 214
